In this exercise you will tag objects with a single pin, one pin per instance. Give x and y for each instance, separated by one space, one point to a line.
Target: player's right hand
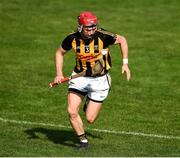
58 79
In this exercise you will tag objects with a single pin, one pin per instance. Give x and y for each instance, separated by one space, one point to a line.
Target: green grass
30 33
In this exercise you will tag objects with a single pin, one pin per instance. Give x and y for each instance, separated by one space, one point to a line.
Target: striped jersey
88 51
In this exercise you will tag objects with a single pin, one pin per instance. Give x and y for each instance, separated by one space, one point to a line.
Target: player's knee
90 119
72 113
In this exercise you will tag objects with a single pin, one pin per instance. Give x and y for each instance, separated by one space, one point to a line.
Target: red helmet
87 19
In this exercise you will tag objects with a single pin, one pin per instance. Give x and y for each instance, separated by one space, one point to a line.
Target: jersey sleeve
109 39
67 42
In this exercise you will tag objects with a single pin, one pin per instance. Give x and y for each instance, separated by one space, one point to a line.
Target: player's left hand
125 69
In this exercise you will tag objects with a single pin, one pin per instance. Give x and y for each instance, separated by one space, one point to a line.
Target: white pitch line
93 129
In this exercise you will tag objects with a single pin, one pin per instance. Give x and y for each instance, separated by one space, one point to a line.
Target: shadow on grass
63 137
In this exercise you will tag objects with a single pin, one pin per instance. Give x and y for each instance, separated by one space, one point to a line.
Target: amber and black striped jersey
88 51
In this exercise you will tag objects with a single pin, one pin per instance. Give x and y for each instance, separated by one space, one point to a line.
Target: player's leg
74 102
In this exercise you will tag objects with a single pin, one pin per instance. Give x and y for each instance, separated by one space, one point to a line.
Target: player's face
89 31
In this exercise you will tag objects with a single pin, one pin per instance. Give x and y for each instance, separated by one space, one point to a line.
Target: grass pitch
31 31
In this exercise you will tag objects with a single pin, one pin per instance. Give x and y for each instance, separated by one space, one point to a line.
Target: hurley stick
97 69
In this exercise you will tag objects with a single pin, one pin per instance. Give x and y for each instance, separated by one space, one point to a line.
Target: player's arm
124 51
65 46
59 64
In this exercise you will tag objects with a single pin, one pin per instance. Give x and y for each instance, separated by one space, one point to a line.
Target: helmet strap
80 27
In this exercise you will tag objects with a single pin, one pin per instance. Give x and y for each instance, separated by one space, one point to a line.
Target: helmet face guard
87 19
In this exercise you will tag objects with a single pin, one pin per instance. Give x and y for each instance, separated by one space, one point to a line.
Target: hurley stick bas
97 69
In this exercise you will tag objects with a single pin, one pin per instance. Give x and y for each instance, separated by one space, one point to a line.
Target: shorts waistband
99 75
89 75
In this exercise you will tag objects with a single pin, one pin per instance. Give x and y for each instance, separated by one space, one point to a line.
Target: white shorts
96 88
